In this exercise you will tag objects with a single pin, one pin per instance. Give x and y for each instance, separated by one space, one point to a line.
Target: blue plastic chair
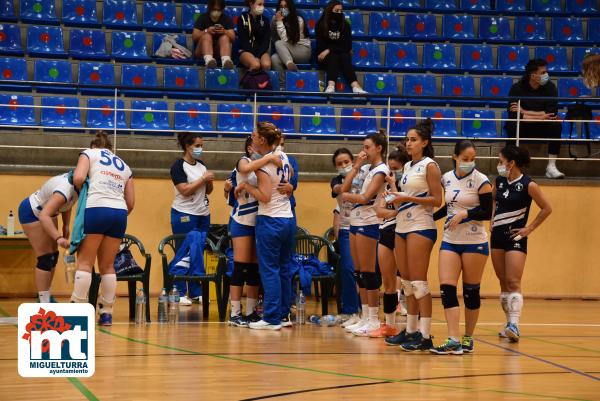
96 74
358 121
476 57
479 128
120 14
495 86
152 116
555 56
513 58
595 126
581 6
62 112
401 55
400 122
58 71
594 30
139 75
222 79
13 69
458 26
405 4
579 54
439 56
10 39
311 16
230 118
511 5
182 77
567 29
80 13
384 24
129 46
313 121
420 26
190 13
12 114
302 81
366 54
45 41
475 5
419 85
441 128
453 85
104 117
235 13
382 84
277 115
530 28
440 4
494 28
88 44
356 21
7 11
546 6
159 16
194 118
38 11
572 87
367 4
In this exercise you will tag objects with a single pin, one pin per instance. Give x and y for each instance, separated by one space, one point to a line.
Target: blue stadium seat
7 11
440 4
594 30
104 117
555 56
494 28
572 87
366 4
80 13
58 71
195 117
159 16
546 6
61 112
420 26
231 119
579 54
530 28
38 11
278 116
405 4
495 86
476 57
152 115
581 6
439 56
234 13
400 122
12 114
441 128
129 46
311 16
475 5
418 85
458 26
401 55
511 5
274 79
513 58
45 41
178 77
453 85
138 75
356 21
96 74
13 69
189 13
366 54
567 29
313 122
302 81
595 127
384 24
358 121
88 44
10 39
120 14
381 84
480 127
223 80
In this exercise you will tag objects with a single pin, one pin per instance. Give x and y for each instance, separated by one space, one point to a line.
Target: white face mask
216 14
197 153
466 167
258 10
285 12
344 171
503 171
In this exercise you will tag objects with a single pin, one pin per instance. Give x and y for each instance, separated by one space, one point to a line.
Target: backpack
579 111
125 264
256 80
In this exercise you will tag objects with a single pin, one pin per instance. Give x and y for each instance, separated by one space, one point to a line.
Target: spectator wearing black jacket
334 47
254 37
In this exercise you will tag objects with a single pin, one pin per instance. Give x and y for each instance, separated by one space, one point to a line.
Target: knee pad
449 298
47 262
390 302
252 275
239 274
471 296
407 287
370 280
420 288
359 279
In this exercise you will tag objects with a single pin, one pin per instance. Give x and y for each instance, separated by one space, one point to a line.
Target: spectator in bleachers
590 69
213 35
254 37
534 113
290 36
334 47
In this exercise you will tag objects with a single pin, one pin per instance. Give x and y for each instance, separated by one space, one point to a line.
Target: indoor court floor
558 358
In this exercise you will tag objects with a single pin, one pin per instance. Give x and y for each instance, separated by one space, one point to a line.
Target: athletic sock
504 303
515 305
411 323
390 319
373 314
44 296
250 306
236 308
425 326
81 287
108 290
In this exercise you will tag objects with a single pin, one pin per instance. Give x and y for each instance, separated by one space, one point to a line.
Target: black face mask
337 18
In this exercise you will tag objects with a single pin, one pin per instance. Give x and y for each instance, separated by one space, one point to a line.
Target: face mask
503 171
258 10
284 12
337 17
397 174
466 167
197 153
344 171
544 78
279 148
255 156
216 14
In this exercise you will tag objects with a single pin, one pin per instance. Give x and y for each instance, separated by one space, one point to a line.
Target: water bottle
301 309
140 307
329 320
314 319
10 224
70 267
173 305
163 301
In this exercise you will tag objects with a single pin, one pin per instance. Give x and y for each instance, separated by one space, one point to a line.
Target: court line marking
333 373
312 390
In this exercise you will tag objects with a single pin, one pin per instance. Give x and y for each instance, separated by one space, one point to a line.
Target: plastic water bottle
329 320
70 266
314 319
173 305
140 307
10 224
301 309
163 302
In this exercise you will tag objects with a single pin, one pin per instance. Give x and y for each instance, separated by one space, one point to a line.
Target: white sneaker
185 301
366 329
330 89
553 172
355 326
262 325
358 90
352 320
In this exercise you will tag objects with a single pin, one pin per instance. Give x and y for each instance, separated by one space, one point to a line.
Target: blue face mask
256 156
397 174
197 153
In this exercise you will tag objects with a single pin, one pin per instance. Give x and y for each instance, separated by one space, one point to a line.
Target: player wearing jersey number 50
110 198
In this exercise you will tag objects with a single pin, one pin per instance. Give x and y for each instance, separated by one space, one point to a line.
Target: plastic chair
384 24
579 53
594 30
58 71
195 118
150 115
43 41
105 118
442 128
159 16
458 27
190 13
479 128
129 46
476 57
420 26
356 21
495 86
475 5
568 29
315 123
7 11
79 13
12 114
385 84
419 85
439 56
400 122
440 4
120 14
581 6
530 28
358 121
572 87
38 11
88 44
512 58
10 39
60 112
366 54
302 81
91 73
13 69
231 119
494 28
546 6
458 86
401 55
181 77
555 56
277 115
511 5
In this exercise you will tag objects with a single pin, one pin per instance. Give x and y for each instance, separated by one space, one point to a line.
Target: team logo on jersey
408 215
474 228
419 169
448 183
501 185
519 187
471 184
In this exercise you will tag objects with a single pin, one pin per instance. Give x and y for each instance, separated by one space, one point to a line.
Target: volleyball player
364 226
415 235
38 216
464 248
512 194
110 198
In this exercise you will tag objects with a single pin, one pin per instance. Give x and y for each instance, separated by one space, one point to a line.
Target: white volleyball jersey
59 184
197 203
344 208
108 175
247 207
365 215
462 193
391 222
413 216
279 206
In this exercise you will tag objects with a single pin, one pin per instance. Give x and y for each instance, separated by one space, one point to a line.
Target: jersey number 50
108 159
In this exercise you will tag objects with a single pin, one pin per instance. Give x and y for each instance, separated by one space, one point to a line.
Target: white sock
454 338
236 308
108 290
504 303
207 58
365 312
250 306
44 296
390 319
224 59
373 314
81 287
425 326
552 160
515 305
411 323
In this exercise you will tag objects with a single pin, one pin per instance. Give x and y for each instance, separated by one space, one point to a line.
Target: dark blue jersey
512 203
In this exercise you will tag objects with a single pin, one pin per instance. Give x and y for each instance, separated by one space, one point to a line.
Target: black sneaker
253 317
467 344
418 344
400 338
238 321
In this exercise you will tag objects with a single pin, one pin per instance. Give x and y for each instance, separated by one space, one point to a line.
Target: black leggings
335 63
537 130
